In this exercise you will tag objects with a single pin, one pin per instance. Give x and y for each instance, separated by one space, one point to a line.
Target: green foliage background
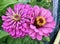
5 37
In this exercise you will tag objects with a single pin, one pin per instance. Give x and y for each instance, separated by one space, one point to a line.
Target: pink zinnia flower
15 20
42 23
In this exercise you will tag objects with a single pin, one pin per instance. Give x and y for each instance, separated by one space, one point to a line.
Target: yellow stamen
16 17
41 21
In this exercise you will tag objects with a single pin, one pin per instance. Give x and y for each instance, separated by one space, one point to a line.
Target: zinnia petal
39 37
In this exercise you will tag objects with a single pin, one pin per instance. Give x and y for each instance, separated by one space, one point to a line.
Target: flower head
43 23
15 20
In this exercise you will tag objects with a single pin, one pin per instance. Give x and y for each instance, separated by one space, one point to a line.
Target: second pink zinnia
43 23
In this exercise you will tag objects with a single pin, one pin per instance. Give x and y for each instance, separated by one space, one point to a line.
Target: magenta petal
17 8
43 11
33 37
27 6
34 28
32 20
50 30
17 26
48 14
8 20
50 19
39 37
8 14
23 29
8 23
46 35
12 33
36 10
50 25
9 30
5 18
20 32
10 11
45 30
30 31
32 34
17 32
24 25
40 32
23 34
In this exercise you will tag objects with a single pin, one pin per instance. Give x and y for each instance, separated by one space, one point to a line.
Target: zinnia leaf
47 39
41 42
42 3
5 3
3 34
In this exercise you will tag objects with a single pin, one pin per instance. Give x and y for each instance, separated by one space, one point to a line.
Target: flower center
16 17
39 22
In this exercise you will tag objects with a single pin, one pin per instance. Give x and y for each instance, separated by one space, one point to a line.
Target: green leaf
0 22
3 40
41 42
3 34
32 0
42 3
26 40
5 3
17 41
47 39
10 40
